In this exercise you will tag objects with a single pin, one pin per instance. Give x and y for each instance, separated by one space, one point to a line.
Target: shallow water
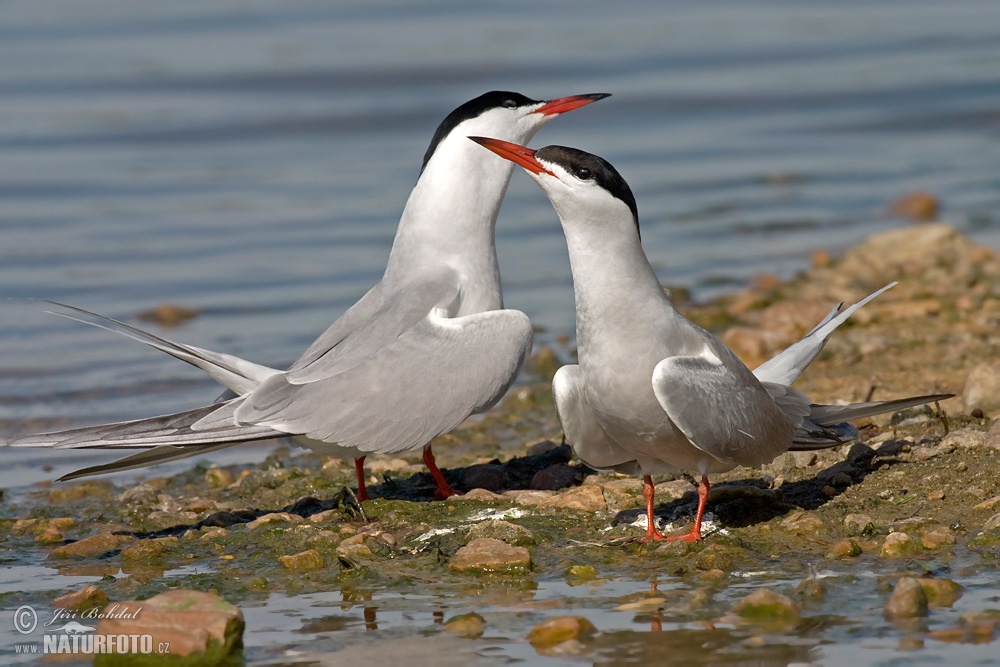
250 160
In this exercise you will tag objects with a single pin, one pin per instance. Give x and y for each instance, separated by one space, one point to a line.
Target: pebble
918 205
898 545
966 437
844 549
354 548
766 605
489 476
586 498
274 517
151 549
552 632
558 476
310 559
470 626
529 497
988 504
812 588
802 523
858 523
82 600
486 554
192 623
908 600
218 478
982 388
935 536
940 592
505 531
95 545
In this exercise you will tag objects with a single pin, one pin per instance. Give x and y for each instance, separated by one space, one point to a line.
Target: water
250 160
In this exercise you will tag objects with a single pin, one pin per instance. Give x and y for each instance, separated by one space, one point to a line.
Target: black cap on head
592 167
473 108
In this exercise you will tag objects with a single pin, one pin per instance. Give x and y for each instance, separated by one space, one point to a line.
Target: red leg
651 532
444 490
695 534
359 465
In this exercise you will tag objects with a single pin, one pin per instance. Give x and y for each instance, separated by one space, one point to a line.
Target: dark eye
509 104
582 173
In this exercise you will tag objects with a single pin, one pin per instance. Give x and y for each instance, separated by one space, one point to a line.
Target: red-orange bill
520 155
564 104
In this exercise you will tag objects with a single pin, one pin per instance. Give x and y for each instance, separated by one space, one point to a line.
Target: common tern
429 345
653 392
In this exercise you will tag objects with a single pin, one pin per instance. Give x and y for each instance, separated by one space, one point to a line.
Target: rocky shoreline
916 499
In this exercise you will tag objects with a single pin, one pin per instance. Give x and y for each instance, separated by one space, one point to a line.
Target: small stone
918 205
555 631
811 588
490 555
191 623
95 545
151 549
765 605
940 592
310 559
988 504
274 518
844 549
82 600
802 523
555 477
858 523
544 363
168 314
672 490
908 600
860 453
528 497
80 491
898 545
504 531
841 480
541 447
354 548
625 485
982 388
966 437
992 527
326 516
936 495
470 625
582 572
586 498
218 478
935 536
489 476
478 494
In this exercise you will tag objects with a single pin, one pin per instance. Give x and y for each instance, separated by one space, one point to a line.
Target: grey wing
145 458
583 431
786 366
354 318
425 382
722 411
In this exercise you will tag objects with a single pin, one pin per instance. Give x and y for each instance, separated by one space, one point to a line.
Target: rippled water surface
250 160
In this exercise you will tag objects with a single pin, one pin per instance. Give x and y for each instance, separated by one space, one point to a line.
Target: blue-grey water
250 159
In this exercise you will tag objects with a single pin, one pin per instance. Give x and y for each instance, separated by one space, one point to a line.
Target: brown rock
168 314
802 523
470 625
765 605
477 494
587 498
310 559
918 205
672 490
982 388
490 555
505 531
191 623
898 545
273 518
844 549
218 478
935 536
555 631
149 549
857 523
940 592
82 600
908 600
95 545
529 497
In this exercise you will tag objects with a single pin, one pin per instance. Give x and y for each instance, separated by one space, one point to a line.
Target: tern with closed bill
653 392
429 345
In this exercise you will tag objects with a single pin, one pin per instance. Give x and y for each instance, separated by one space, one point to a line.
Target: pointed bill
520 155
564 104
